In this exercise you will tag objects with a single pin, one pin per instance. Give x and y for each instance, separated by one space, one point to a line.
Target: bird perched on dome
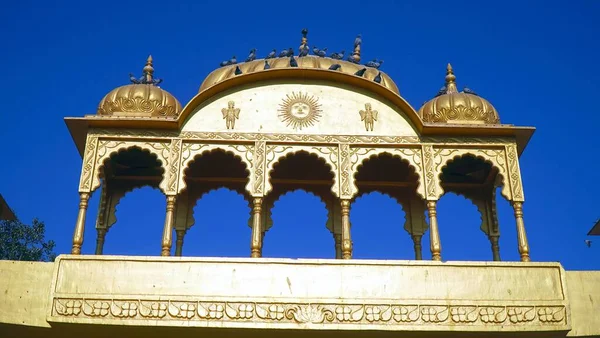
361 72
293 62
358 40
378 78
469 91
252 55
338 56
372 63
267 66
303 51
286 53
335 66
238 71
322 53
272 54
231 61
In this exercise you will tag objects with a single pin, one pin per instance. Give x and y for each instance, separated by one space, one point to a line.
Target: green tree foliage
22 242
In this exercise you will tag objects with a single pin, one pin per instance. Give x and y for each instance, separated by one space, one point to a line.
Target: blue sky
536 61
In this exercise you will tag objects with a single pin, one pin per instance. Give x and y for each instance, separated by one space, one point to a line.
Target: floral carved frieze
312 313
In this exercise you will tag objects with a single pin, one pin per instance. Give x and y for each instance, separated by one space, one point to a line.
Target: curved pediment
313 107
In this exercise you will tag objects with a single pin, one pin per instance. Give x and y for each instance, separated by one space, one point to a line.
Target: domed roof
452 106
287 60
142 98
308 61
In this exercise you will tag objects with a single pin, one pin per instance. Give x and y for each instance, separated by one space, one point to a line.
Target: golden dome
451 106
309 61
142 98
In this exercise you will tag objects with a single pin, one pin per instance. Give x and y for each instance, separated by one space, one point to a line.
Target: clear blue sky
536 61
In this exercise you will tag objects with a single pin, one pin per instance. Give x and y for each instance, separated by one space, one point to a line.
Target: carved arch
495 157
114 199
108 148
314 193
274 153
192 151
198 195
413 156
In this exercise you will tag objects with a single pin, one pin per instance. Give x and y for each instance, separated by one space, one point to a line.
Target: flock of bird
304 51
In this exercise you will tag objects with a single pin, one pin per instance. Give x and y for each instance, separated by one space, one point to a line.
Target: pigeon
233 61
468 91
588 243
337 56
156 82
372 63
133 79
224 63
267 65
252 55
303 51
378 63
378 78
335 66
316 50
293 62
238 71
322 53
442 91
286 53
352 59
271 54
361 72
358 40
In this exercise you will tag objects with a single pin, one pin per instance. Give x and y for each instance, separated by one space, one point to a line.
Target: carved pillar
495 247
338 245
346 240
167 240
100 240
179 242
418 250
521 235
436 246
80 224
256 242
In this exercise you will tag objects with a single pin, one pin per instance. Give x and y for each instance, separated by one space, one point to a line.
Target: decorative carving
430 178
138 105
345 171
514 173
259 159
369 116
275 152
175 161
85 181
190 151
106 148
495 156
230 114
300 110
412 155
312 313
461 113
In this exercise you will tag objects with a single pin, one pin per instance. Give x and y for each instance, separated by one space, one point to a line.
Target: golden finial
355 57
303 49
148 70
450 80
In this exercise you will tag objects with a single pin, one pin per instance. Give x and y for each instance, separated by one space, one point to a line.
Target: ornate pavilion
332 126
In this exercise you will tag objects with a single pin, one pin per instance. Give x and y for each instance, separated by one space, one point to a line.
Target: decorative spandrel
300 110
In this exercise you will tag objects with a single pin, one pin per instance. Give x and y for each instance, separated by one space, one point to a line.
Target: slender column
167 240
418 250
495 247
179 242
346 240
256 242
100 240
338 245
521 235
80 225
434 235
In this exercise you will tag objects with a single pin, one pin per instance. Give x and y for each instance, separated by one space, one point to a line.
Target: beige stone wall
583 288
24 292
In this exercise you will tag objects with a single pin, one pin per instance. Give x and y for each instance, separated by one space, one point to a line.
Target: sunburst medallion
300 110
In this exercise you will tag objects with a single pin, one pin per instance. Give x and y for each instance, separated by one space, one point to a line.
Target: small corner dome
452 106
142 98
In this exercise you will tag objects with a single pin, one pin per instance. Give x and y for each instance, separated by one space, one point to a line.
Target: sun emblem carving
300 110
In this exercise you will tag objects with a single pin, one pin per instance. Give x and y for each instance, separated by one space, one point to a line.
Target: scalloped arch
412 156
328 154
192 220
112 217
395 198
478 204
307 191
193 151
106 149
496 157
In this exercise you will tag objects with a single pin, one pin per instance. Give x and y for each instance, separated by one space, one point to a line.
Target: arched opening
469 204
213 210
300 208
132 208
387 216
